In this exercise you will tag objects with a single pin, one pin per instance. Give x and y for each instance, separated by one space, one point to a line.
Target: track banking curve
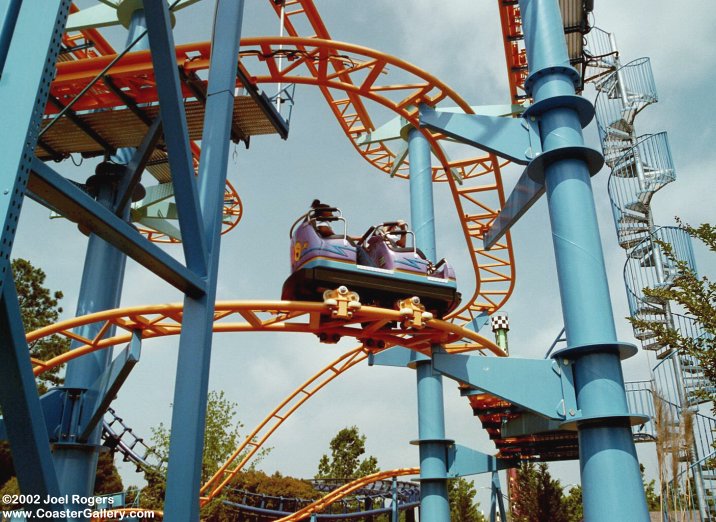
367 323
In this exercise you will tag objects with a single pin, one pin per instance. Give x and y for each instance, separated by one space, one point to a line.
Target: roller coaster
146 107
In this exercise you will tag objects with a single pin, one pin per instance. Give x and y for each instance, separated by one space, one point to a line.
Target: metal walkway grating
122 128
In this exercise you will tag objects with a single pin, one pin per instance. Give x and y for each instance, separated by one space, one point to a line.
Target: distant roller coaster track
345 490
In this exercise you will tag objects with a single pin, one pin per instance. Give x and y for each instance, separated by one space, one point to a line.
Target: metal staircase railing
648 267
689 381
600 52
641 166
636 176
640 400
622 94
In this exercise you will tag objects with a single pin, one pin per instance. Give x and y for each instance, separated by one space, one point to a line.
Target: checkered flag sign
500 322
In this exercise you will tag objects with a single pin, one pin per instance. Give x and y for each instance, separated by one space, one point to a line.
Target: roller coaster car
383 266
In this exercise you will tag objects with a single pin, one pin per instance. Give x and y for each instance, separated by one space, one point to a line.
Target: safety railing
621 96
648 267
638 174
599 50
640 167
640 401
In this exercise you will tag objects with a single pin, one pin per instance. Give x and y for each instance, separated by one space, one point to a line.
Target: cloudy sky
458 41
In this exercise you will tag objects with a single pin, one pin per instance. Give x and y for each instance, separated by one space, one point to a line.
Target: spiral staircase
641 165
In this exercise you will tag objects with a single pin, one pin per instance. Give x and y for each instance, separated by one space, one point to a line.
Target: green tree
221 438
39 307
108 479
260 483
653 500
537 496
573 500
221 434
345 462
573 504
697 296
463 508
277 485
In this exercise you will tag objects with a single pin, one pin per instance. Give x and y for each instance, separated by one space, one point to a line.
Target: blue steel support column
431 416
22 413
8 18
612 484
394 511
137 26
100 289
31 39
190 394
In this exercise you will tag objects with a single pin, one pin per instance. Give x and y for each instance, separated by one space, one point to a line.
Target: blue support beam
29 45
464 461
76 205
396 356
559 161
22 413
431 415
100 289
496 502
525 194
105 388
190 393
135 166
32 47
9 12
612 484
554 399
91 382
394 512
176 135
507 137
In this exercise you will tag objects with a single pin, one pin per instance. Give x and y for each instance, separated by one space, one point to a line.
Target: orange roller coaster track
478 200
377 324
362 74
161 320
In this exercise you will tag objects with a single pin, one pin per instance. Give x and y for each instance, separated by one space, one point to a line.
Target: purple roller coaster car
383 266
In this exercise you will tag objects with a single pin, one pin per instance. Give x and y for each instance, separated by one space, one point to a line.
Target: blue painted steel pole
394 512
100 289
137 26
30 52
611 479
8 17
190 393
422 213
434 504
